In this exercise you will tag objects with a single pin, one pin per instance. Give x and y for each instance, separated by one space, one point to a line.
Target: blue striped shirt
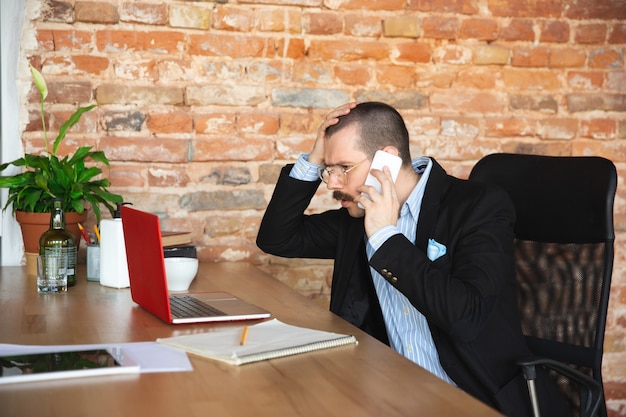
408 330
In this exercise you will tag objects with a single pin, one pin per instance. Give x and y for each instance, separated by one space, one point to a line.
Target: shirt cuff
381 236
304 170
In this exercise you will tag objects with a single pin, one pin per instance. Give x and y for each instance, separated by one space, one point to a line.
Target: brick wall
201 102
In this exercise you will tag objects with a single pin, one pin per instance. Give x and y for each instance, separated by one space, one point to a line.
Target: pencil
82 232
244 334
95 229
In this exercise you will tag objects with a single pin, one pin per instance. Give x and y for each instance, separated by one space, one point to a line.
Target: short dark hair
378 125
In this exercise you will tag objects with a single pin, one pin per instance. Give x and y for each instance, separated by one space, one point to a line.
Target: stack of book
177 244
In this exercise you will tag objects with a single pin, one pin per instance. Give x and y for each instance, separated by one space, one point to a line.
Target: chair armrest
591 392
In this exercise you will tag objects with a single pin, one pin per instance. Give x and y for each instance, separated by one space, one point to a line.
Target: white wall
11 21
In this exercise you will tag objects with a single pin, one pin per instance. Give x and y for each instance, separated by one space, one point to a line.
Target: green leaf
74 118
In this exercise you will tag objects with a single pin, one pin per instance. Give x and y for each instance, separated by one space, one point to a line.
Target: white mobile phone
382 159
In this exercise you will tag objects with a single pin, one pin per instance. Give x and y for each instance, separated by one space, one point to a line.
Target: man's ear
392 150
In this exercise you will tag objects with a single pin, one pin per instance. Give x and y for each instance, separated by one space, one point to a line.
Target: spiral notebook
263 341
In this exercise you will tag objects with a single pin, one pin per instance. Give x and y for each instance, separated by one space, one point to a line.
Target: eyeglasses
338 171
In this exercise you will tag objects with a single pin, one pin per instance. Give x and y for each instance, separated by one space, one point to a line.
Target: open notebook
267 340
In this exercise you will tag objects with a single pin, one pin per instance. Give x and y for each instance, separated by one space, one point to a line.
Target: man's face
340 154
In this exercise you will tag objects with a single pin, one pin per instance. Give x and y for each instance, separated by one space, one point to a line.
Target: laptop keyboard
189 306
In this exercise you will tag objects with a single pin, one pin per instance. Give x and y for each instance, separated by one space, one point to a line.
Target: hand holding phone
382 159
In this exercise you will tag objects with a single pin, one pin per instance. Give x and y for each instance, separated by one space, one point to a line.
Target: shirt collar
422 166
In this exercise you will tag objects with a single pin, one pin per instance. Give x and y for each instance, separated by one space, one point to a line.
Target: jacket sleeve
457 292
286 231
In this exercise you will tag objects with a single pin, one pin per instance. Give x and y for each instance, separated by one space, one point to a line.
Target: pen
244 334
95 229
82 232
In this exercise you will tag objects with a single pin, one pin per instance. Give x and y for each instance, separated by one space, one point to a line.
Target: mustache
338 195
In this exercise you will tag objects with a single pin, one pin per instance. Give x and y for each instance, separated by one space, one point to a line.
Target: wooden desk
364 380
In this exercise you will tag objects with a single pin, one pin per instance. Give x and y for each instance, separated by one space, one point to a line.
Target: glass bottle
57 246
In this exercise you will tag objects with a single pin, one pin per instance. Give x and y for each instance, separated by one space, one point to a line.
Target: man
425 265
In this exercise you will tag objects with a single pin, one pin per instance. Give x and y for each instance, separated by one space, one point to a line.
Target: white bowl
180 272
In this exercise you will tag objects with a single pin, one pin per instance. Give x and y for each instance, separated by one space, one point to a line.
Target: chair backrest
563 251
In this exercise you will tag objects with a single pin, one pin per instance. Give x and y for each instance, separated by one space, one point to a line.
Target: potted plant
47 176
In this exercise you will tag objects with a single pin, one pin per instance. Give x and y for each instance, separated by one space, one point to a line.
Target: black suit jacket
468 295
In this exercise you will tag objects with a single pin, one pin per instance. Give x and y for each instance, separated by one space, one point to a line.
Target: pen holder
93 262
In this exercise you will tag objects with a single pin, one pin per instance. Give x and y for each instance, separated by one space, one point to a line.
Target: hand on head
317 153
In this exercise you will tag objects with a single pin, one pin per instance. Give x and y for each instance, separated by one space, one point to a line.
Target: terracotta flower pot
33 225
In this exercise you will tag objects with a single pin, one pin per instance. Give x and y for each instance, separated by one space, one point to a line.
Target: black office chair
564 260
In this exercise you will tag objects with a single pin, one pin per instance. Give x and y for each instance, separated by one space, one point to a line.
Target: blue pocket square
435 250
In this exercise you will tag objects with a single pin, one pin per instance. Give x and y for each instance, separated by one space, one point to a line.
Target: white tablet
65 364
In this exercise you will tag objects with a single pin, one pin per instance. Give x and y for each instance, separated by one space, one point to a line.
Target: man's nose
334 183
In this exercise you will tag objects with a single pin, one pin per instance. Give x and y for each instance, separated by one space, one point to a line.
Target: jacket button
384 271
394 279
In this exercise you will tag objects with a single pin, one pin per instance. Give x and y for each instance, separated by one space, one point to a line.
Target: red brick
529 57
300 122
171 122
71 39
416 51
511 127
163 42
596 9
144 149
258 123
279 20
68 92
467 102
440 27
352 74
45 40
147 13
554 128
340 50
232 149
167 176
529 80
57 11
606 59
267 70
231 18
554 31
87 64
294 48
399 76
362 25
439 79
371 5
145 70
96 12
518 30
445 6
75 65
108 40
215 123
126 175
527 8
324 23
481 29
585 80
567 58
598 129
590 33
454 55
312 72
618 33
482 79
235 46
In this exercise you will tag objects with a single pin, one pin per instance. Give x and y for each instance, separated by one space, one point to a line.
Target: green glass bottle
59 244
